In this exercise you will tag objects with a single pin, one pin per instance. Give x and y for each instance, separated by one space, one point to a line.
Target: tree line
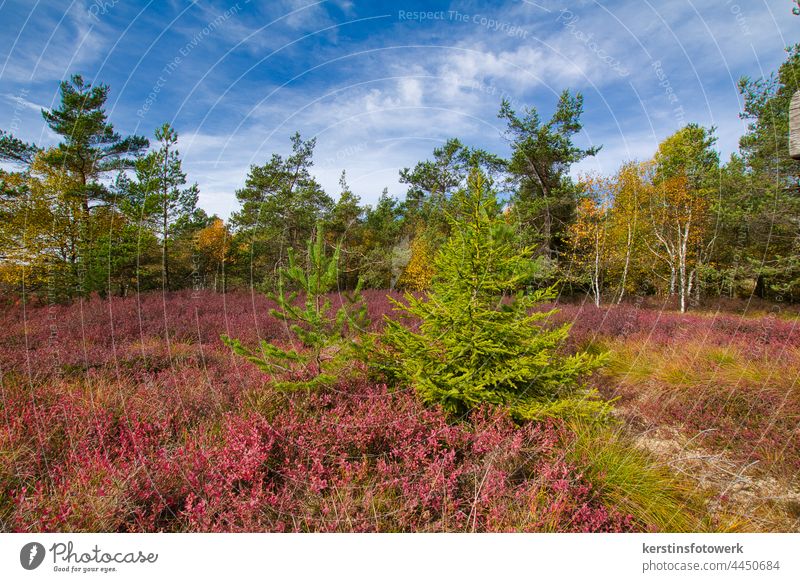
105 213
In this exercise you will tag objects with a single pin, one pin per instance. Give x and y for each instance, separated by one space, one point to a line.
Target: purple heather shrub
130 415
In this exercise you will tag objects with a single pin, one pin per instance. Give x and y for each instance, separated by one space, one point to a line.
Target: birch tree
679 206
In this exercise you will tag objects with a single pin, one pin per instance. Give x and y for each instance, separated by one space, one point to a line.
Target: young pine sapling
328 340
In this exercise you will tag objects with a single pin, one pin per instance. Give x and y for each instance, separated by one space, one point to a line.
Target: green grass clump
633 482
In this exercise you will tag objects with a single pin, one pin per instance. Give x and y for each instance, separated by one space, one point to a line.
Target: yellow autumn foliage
419 271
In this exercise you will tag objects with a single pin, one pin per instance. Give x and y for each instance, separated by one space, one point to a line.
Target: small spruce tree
327 339
478 339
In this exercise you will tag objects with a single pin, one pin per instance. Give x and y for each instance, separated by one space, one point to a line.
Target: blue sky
379 84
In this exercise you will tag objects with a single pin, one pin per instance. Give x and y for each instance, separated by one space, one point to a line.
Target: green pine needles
327 343
479 339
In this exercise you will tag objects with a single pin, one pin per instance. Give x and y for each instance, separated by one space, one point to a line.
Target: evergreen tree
281 204
127 257
326 338
765 146
15 150
478 339
158 197
542 154
88 151
90 147
773 193
431 184
432 181
383 225
344 228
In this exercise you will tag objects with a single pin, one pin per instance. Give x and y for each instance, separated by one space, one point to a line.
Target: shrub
358 458
478 339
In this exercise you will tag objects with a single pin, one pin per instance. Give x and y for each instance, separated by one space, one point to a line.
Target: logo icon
31 555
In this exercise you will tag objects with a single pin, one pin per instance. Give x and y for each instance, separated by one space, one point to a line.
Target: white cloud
377 104
19 101
53 44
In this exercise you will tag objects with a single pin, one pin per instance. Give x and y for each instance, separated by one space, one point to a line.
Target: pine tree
478 340
281 202
380 266
158 197
89 149
769 185
326 338
541 156
344 227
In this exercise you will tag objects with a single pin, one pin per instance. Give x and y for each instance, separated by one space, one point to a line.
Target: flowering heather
765 335
130 415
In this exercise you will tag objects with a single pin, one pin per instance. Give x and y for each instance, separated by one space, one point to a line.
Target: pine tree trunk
165 250
86 242
548 228
761 287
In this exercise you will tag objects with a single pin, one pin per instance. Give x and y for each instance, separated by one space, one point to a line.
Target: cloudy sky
380 84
